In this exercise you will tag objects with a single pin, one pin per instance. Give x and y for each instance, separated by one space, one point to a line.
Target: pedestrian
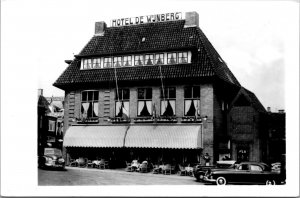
206 158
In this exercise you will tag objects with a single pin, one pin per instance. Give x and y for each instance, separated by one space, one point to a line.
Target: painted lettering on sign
146 19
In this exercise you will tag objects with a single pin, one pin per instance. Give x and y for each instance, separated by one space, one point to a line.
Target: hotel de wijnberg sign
146 19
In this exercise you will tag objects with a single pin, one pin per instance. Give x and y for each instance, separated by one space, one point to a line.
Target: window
168 98
122 103
96 63
182 57
255 168
107 62
89 63
118 61
159 59
192 101
51 126
127 61
149 59
89 104
84 66
243 167
172 58
144 101
138 60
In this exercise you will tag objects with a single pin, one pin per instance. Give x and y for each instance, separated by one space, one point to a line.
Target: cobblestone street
85 177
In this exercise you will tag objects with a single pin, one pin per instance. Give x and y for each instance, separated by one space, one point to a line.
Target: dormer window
107 62
138 60
149 59
172 58
159 59
89 63
182 57
118 61
127 61
97 63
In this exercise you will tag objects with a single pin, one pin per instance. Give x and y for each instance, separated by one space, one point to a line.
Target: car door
256 174
242 174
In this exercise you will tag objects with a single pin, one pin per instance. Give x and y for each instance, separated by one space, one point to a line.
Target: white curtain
197 106
118 108
96 108
164 104
187 105
85 107
149 106
140 107
126 108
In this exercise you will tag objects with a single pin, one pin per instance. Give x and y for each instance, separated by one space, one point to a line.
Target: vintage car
199 170
52 158
245 172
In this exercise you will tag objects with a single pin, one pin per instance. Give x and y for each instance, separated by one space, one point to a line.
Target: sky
249 36
259 41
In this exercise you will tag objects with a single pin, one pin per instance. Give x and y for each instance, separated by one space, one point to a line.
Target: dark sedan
245 172
199 171
52 158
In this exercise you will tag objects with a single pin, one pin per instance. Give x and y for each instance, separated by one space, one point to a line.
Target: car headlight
61 160
49 160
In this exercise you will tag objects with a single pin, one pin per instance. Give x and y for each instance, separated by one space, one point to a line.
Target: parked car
245 172
52 158
200 170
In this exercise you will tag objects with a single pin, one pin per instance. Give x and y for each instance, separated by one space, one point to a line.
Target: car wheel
270 182
221 181
201 177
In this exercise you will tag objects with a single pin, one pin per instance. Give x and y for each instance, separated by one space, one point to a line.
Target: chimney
100 28
191 19
269 109
40 92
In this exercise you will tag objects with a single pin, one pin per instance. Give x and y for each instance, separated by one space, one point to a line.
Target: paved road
87 176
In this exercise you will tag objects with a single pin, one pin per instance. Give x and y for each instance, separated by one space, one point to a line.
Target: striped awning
95 136
168 136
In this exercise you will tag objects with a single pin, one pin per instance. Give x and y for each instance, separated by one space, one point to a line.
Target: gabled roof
255 102
252 99
163 36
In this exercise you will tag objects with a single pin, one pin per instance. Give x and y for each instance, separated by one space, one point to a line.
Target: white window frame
125 58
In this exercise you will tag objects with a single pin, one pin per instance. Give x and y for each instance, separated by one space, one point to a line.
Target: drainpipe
125 135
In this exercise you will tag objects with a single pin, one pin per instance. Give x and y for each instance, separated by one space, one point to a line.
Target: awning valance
95 136
156 136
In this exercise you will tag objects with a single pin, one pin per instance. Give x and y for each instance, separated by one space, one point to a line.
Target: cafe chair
82 162
182 171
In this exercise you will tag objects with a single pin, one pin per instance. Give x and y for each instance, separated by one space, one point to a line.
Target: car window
255 168
243 167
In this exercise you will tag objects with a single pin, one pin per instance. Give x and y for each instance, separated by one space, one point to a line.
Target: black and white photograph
149 98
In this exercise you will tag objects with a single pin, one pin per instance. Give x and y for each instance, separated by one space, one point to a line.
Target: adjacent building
157 90
50 123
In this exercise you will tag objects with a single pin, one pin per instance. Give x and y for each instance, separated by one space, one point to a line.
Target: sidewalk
123 172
